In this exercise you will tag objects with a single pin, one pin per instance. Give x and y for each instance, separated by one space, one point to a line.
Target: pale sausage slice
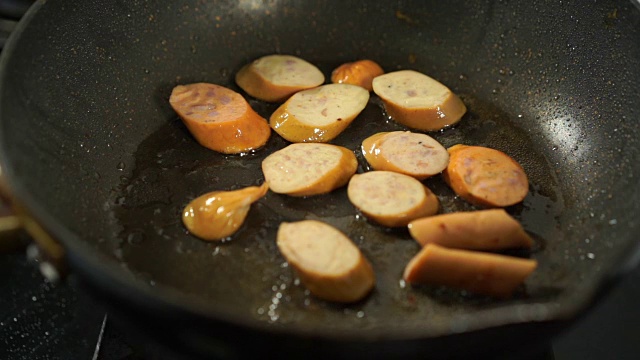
218 118
391 199
485 177
326 260
418 101
475 230
489 274
274 78
320 114
361 73
413 154
309 169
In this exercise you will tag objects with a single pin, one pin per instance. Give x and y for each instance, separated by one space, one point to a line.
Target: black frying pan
92 150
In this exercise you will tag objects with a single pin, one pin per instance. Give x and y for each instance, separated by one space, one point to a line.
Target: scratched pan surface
92 148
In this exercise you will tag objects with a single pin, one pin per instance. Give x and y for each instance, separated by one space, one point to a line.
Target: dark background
41 321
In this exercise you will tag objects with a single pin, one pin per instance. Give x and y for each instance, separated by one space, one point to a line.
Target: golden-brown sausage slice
413 154
218 214
475 230
485 176
274 78
319 114
391 199
309 169
326 260
218 118
489 274
360 73
418 101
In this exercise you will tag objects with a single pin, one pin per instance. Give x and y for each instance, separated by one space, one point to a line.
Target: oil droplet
121 166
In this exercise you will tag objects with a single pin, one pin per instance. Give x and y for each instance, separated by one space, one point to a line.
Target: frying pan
93 154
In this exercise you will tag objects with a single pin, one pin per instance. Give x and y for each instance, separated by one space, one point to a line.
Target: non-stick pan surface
91 146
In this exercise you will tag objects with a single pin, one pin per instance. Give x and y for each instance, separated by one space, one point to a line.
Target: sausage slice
320 114
418 101
309 169
326 260
219 118
413 154
218 214
485 177
474 230
274 78
391 199
361 73
489 274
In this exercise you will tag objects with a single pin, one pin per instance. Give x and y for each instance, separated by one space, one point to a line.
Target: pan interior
88 135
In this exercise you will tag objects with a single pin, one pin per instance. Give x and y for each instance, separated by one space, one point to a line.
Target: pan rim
86 262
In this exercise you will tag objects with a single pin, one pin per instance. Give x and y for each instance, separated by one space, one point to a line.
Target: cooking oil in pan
246 273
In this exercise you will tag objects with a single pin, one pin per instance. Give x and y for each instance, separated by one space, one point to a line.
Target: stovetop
40 320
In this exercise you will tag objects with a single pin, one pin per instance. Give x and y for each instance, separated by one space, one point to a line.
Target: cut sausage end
360 73
219 214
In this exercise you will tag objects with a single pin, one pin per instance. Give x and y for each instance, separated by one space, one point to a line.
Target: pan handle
14 222
10 226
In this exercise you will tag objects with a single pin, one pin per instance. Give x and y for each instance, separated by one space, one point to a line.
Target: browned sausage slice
475 230
413 154
361 73
319 114
418 101
309 169
391 199
485 176
218 214
218 118
326 260
489 274
275 78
